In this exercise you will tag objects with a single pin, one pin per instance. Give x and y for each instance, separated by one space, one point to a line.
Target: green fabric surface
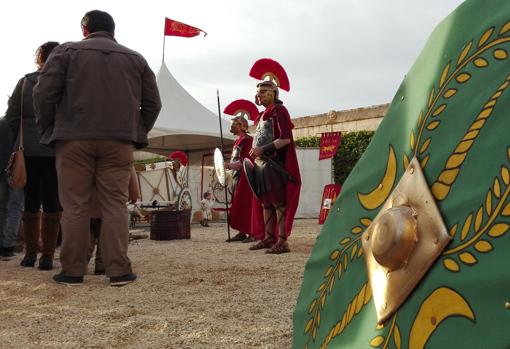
460 85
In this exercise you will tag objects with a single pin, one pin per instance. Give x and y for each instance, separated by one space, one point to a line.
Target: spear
223 152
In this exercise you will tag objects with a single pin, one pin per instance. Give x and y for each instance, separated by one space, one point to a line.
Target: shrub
350 150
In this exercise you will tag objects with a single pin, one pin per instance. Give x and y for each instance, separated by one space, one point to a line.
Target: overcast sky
338 54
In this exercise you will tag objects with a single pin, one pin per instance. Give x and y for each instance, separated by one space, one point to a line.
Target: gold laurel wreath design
441 187
496 204
394 332
351 249
358 302
460 77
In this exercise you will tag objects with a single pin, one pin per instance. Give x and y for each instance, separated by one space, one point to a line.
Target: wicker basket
170 225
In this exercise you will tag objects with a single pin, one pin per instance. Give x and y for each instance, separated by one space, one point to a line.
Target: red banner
329 195
329 144
175 28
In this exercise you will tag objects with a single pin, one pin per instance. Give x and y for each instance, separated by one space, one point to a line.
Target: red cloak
282 128
246 210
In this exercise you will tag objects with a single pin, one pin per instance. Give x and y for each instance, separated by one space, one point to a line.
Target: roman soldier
246 210
177 178
274 173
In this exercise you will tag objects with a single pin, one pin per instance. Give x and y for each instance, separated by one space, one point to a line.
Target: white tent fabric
183 123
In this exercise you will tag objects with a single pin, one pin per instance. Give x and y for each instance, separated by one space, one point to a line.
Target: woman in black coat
41 188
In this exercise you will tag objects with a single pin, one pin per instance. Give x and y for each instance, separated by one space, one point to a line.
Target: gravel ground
197 293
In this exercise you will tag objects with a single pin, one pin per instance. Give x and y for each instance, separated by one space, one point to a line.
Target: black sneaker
7 253
60 278
122 280
28 260
45 262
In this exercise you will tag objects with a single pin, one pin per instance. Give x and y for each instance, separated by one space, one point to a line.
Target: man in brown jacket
96 100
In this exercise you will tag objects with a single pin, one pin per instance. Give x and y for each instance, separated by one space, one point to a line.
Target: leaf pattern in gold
500 54
485 37
451 265
481 63
481 226
498 230
354 307
483 246
464 53
350 247
463 78
467 258
441 188
450 93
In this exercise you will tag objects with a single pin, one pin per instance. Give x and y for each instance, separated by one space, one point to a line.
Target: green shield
452 111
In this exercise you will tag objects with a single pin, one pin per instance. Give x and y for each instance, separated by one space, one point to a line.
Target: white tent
183 123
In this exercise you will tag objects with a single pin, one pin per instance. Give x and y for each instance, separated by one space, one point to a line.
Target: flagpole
163 59
223 152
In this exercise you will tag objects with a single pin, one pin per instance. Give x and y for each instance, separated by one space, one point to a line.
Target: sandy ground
197 293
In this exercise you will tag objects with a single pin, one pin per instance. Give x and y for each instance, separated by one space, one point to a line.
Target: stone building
360 119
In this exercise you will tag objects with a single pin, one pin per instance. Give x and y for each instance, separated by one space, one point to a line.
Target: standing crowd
79 118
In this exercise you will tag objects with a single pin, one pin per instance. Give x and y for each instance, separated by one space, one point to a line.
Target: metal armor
263 133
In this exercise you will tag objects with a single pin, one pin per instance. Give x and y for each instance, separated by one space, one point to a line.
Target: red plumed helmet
267 68
243 108
179 155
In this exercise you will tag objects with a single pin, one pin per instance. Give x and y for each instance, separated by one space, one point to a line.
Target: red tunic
246 210
282 128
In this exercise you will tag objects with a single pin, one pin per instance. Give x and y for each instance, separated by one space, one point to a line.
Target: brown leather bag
16 169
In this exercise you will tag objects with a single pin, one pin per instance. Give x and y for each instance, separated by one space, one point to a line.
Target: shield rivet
507 305
380 186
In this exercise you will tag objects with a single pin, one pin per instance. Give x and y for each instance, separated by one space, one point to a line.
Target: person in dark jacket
96 100
11 199
41 188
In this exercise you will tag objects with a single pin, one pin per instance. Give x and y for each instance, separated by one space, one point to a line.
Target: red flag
329 144
175 28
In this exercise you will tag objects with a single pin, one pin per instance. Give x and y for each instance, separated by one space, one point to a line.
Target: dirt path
197 293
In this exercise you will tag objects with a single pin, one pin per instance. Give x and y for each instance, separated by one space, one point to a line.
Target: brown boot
49 234
31 231
282 246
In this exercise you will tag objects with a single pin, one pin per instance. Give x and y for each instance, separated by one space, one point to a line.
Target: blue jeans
11 208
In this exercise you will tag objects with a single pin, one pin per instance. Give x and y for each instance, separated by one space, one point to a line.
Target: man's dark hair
97 20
